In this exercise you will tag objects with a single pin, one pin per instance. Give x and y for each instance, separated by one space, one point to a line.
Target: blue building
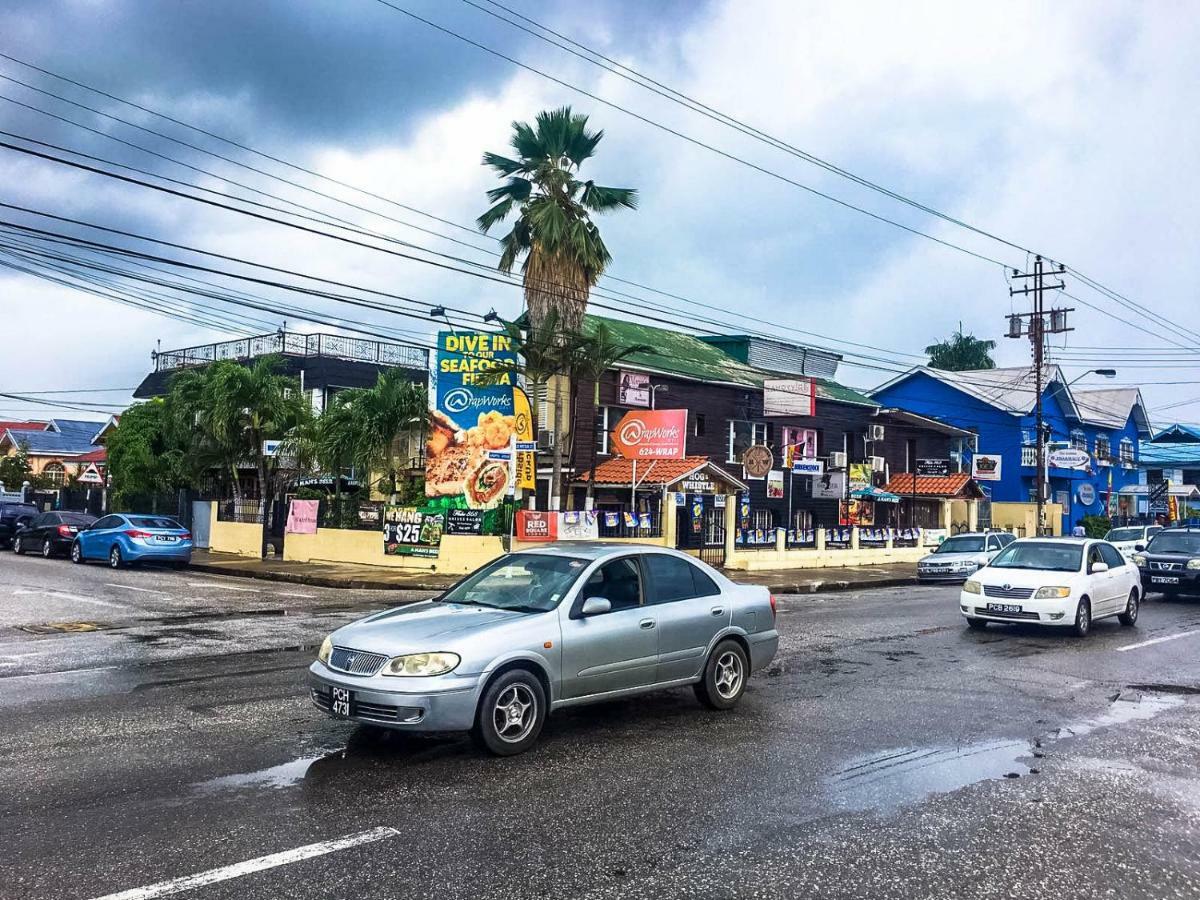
998 405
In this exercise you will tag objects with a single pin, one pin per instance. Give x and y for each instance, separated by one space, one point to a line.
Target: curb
317 580
826 587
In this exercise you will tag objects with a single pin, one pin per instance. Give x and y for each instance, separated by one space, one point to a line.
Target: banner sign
1069 458
536 526
302 517
464 521
471 418
986 467
559 526
775 484
633 389
933 468
407 531
526 474
578 526
789 397
653 434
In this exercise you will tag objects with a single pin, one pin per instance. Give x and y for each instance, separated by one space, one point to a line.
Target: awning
875 494
619 472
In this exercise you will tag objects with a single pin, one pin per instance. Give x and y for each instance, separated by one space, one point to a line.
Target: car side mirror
1099 567
595 606
1139 547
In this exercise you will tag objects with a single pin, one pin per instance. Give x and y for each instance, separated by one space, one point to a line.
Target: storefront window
1103 449
743 434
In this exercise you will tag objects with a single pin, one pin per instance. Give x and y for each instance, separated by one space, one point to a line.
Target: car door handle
718 610
646 623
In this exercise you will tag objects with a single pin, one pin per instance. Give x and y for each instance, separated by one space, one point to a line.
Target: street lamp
1107 373
654 389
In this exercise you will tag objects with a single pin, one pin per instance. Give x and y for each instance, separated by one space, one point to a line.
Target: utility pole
1035 326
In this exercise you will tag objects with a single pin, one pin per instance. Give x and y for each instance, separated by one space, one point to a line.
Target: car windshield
1124 534
528 582
1045 555
154 522
1175 542
962 544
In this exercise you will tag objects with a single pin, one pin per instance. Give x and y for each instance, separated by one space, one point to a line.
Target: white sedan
1068 582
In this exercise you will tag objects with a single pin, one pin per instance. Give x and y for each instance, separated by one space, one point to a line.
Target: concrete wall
1021 518
776 560
457 554
244 539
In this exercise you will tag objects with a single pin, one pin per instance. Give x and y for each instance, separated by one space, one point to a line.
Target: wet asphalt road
869 761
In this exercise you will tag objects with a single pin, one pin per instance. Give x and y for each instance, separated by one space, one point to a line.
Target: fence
248 512
333 346
647 524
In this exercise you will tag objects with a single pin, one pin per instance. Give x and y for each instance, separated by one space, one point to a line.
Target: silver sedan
543 629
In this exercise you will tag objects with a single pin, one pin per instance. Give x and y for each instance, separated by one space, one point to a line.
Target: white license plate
165 538
1164 579
1003 607
340 702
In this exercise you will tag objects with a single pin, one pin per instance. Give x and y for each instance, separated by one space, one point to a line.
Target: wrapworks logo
635 431
461 399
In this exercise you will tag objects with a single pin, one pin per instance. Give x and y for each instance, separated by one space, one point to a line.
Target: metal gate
985 510
712 550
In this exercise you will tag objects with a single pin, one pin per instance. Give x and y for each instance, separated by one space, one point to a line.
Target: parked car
1131 539
958 557
544 629
12 517
1067 582
50 533
1170 563
128 539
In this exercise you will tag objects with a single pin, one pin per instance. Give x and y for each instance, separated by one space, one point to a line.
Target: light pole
1107 373
654 389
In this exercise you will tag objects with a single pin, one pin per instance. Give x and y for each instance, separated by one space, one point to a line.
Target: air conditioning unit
878 463
545 439
837 460
875 433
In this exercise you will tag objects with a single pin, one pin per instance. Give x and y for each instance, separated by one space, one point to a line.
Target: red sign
536 526
652 434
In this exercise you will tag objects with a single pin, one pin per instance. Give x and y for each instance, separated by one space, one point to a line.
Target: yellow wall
242 538
768 560
457 554
1021 518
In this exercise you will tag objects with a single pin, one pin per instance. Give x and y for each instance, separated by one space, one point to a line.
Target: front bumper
375 704
1187 580
1042 612
945 577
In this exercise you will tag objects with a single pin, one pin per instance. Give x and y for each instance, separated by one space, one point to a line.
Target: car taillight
774 610
65 530
186 536
134 533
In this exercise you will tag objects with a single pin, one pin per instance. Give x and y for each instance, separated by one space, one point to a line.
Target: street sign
808 466
1069 458
933 468
91 475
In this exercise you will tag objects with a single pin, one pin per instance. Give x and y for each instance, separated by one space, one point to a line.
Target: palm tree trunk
236 485
265 503
589 503
556 457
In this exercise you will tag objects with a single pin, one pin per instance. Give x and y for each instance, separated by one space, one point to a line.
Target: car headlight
326 650
972 587
1140 562
1052 593
417 664
1193 564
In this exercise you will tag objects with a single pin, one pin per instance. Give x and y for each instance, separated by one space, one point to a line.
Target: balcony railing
329 346
1029 456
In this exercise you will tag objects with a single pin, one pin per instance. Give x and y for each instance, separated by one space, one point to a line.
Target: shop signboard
633 389
790 397
464 521
1069 458
408 531
473 416
775 484
652 434
698 483
986 467
757 461
829 486
808 467
933 468
1086 494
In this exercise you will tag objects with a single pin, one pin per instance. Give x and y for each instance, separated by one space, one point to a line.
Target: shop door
712 551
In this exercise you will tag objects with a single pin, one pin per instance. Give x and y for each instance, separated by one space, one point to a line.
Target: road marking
61 596
223 587
293 594
237 870
1170 637
130 587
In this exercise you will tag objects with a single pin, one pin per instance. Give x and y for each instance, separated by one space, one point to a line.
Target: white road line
224 587
130 587
237 870
1170 637
293 594
57 595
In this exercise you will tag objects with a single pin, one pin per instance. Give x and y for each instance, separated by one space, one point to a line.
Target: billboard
633 389
986 467
473 420
790 397
653 434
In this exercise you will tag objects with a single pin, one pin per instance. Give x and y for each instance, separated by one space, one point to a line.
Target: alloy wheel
47 549
515 713
728 675
16 546
114 557
76 553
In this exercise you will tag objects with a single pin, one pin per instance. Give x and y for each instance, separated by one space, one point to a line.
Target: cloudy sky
1065 128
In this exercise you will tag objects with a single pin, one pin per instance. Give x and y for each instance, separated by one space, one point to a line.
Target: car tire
1083 618
77 553
1129 617
18 547
724 678
47 549
511 713
115 560
977 624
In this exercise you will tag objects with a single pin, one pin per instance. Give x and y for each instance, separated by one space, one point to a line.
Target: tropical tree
553 236
15 470
373 420
139 455
961 352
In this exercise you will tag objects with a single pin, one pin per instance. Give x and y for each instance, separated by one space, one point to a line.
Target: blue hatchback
129 538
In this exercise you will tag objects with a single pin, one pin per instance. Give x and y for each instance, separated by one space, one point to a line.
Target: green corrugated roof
678 353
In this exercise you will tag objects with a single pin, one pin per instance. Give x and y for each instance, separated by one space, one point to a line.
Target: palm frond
504 165
495 214
601 199
517 189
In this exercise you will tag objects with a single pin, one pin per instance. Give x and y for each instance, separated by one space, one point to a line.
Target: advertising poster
798 444
408 531
471 417
464 521
536 526
860 476
302 517
578 526
611 520
857 512
526 478
775 484
633 389
829 486
653 434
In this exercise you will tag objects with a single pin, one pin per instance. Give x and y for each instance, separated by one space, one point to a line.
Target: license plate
1003 607
1164 579
340 702
164 538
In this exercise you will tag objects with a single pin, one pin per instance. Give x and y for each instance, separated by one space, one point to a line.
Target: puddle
284 775
1125 708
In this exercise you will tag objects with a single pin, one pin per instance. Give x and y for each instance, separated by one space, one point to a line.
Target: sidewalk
335 575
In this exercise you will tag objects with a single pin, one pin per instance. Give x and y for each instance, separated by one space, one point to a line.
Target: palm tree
562 251
961 352
595 354
374 420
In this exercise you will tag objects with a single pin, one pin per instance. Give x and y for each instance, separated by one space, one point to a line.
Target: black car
50 533
1171 562
12 517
